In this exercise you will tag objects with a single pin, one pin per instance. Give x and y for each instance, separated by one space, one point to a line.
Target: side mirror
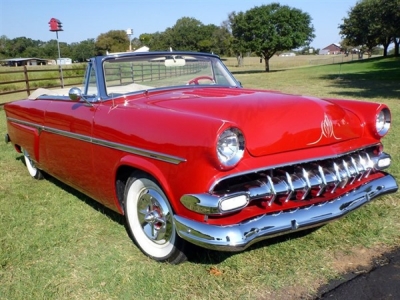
75 94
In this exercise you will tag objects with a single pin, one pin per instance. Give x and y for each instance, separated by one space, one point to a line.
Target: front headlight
383 120
230 147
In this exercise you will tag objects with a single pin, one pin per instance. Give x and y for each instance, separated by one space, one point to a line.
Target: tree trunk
385 43
385 50
396 46
239 58
266 64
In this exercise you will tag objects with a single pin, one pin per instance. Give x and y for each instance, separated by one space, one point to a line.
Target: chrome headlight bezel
383 122
230 147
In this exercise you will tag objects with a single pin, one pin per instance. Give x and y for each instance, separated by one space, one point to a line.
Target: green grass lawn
56 243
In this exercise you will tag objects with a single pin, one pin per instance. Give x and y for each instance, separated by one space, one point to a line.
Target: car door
67 143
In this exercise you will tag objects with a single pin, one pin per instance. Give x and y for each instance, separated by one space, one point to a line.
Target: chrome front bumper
238 237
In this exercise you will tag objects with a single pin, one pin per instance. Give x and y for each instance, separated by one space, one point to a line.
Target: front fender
155 170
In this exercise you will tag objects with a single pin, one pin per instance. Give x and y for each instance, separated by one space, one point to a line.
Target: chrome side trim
237 237
71 135
138 151
142 152
26 123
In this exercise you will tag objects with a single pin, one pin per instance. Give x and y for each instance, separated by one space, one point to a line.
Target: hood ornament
326 130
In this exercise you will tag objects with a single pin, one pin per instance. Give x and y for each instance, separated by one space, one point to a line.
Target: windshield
125 75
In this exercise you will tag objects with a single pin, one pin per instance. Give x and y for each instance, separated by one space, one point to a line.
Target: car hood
270 121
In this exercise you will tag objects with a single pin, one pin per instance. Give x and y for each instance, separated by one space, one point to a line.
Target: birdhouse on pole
55 25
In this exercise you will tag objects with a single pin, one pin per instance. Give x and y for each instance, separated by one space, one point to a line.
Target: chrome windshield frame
97 65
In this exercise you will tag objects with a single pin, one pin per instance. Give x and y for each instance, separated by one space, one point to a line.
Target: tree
155 41
206 42
136 43
191 35
65 50
112 41
18 46
186 34
31 51
82 51
238 29
270 28
145 39
346 45
50 49
371 23
307 50
223 40
391 16
4 46
356 28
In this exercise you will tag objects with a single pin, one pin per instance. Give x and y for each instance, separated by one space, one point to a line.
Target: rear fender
26 137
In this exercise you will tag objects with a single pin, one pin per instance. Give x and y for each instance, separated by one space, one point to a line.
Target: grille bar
311 179
300 184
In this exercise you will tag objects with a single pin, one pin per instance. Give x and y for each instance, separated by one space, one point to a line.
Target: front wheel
149 220
30 165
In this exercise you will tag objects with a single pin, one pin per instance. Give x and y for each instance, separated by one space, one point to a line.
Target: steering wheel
196 80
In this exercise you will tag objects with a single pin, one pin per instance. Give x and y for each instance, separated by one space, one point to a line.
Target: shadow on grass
199 255
116 217
244 72
379 79
195 254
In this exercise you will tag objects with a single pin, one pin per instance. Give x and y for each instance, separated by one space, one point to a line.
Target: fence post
28 90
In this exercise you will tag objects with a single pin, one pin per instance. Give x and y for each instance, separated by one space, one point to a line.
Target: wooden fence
29 83
144 72
23 80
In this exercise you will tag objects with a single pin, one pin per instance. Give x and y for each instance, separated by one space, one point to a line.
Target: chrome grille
304 181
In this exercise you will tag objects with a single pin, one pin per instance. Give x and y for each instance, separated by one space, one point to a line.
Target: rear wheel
149 220
30 165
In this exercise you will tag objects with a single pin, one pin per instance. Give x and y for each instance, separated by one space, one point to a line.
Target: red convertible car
172 141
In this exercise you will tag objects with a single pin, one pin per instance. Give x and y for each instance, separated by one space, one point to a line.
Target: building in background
64 61
331 49
28 61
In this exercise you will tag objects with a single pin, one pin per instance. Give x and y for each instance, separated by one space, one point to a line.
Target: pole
59 59
129 32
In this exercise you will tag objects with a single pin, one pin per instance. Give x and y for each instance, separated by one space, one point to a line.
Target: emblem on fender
326 130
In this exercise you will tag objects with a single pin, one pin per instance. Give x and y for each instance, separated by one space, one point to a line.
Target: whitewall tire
30 165
149 220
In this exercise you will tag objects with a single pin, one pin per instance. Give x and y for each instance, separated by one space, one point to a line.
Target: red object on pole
55 25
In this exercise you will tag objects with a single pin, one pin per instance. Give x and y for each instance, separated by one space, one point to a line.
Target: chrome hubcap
154 216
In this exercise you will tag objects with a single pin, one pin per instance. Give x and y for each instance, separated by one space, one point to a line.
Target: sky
87 19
